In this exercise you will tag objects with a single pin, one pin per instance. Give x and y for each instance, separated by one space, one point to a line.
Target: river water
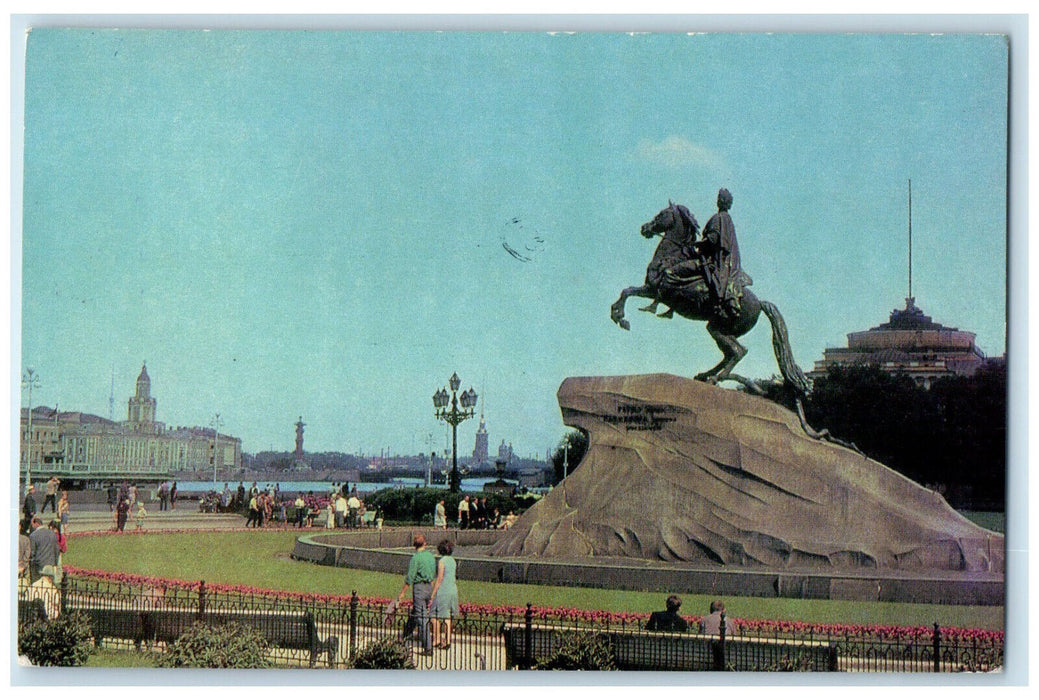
323 487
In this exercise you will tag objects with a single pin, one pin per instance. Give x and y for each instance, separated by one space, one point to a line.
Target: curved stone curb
388 551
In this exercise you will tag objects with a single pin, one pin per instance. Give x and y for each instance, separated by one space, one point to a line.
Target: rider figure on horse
716 258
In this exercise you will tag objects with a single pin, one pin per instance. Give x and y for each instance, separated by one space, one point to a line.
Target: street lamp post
29 380
453 417
216 442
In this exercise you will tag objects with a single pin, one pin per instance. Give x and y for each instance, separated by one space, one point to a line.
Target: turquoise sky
287 223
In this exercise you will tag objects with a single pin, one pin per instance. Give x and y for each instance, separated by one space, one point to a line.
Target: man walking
29 505
51 495
422 569
43 549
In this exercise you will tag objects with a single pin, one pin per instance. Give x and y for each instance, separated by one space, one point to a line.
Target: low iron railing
328 631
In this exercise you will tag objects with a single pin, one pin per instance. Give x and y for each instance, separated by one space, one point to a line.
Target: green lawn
108 658
262 559
990 520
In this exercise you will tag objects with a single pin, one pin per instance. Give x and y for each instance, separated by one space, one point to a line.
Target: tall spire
909 300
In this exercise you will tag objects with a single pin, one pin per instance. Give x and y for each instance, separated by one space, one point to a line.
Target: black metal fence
329 631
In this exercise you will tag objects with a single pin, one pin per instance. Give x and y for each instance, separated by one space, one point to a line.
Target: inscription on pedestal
640 416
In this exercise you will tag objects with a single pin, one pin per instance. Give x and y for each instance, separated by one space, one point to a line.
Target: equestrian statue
702 280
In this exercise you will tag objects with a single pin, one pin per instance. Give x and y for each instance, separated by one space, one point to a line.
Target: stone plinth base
679 470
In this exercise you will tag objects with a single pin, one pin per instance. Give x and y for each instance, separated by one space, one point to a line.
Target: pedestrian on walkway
63 510
443 604
421 573
43 548
51 495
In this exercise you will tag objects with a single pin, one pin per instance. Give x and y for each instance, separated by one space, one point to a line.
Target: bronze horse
692 298
689 296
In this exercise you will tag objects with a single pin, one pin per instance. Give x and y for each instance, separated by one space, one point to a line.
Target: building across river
88 450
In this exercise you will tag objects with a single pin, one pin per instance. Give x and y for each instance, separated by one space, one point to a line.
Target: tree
568 454
951 437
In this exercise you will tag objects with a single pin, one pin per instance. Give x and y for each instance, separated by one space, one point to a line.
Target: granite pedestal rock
680 470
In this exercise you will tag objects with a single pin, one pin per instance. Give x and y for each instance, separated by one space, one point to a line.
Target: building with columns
909 343
88 449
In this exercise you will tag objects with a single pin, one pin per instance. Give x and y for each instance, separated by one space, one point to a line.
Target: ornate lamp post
29 380
453 417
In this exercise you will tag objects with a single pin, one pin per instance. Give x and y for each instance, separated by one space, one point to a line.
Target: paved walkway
180 519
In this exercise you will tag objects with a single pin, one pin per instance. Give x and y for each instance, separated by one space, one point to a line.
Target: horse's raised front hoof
617 316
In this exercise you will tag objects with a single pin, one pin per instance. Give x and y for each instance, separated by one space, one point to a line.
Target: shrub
798 662
65 641
386 653
580 651
417 505
223 646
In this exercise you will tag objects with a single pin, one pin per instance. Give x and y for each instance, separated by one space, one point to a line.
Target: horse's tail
792 374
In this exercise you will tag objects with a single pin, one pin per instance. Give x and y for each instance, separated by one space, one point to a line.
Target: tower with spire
481 451
141 407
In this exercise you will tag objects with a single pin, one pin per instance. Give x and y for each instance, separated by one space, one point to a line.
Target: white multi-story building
81 447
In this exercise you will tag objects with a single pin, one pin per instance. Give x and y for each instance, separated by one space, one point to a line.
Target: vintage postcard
623 347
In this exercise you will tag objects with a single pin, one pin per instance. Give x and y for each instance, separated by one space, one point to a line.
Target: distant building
531 477
141 407
505 451
85 448
480 451
909 343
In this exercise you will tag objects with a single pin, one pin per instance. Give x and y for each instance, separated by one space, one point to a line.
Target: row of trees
951 436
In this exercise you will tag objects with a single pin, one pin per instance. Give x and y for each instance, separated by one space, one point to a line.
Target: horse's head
673 221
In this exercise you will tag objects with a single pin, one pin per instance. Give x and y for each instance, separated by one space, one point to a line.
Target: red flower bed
558 614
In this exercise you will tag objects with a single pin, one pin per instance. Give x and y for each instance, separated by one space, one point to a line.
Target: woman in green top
443 602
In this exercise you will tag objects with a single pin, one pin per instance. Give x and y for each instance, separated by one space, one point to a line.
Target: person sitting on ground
668 620
712 624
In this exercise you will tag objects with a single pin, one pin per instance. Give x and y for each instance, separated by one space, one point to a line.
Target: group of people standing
59 507
474 514
167 495
346 509
261 507
39 555
126 499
